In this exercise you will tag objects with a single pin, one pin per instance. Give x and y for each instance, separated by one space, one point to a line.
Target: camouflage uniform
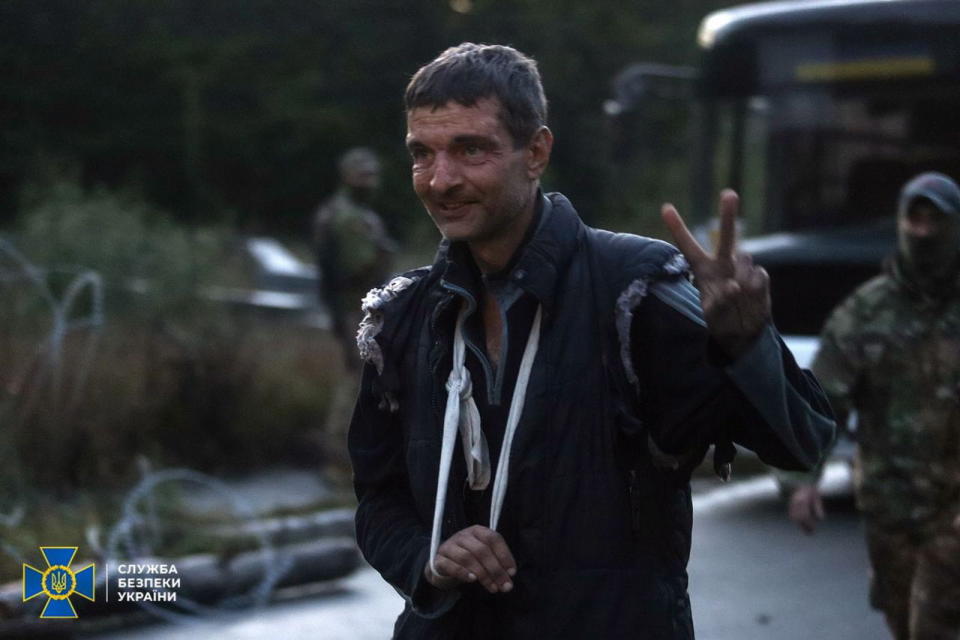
352 245
891 352
353 253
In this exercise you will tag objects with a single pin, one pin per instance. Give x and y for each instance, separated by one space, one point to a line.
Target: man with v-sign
534 402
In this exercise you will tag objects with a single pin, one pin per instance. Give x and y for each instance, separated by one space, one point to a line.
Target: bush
143 363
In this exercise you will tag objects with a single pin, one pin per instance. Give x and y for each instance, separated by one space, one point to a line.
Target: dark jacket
598 510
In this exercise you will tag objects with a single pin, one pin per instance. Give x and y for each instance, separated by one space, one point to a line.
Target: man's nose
446 173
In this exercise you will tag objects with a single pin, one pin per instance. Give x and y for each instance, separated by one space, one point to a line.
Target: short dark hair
470 72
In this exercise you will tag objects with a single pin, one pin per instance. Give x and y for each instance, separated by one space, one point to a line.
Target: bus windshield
819 157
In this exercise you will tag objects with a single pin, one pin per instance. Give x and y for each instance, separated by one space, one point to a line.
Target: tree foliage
236 110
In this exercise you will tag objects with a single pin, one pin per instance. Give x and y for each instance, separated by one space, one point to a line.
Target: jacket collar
540 261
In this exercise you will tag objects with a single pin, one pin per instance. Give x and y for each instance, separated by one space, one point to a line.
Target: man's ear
538 152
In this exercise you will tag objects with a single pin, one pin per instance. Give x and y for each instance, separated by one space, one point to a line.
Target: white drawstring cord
462 415
513 419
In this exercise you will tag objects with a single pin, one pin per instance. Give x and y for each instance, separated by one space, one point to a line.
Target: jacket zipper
438 311
481 357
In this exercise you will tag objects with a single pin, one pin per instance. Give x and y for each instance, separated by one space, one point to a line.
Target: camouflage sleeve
836 366
380 235
317 226
837 363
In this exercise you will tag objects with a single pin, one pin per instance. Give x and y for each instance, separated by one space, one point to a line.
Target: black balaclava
932 259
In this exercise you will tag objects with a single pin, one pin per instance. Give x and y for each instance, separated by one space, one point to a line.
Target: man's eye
472 150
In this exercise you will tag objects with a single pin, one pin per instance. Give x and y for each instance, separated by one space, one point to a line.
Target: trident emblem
58 582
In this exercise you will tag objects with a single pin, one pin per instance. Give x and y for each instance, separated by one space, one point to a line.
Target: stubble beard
514 208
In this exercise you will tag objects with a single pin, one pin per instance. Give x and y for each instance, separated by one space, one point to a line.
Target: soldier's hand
475 554
734 293
806 507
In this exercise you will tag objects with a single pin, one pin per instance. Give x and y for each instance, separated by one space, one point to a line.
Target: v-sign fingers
684 240
729 206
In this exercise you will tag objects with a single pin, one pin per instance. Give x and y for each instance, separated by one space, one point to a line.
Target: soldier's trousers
916 583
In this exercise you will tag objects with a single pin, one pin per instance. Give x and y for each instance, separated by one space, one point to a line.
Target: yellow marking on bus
864 69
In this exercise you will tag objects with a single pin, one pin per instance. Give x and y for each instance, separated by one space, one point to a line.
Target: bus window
740 158
838 159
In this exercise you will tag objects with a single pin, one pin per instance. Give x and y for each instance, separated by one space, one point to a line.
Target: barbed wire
15 267
133 520
47 362
136 534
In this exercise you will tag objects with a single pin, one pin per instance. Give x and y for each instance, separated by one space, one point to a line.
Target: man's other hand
734 294
806 507
474 554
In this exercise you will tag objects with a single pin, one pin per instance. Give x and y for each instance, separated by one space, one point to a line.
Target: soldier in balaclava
891 353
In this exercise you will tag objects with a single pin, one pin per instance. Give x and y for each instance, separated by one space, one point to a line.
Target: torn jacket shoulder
382 307
641 267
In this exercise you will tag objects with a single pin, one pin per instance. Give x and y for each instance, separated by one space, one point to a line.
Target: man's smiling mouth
452 207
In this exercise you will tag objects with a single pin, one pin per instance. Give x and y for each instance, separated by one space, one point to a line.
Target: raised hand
734 293
474 554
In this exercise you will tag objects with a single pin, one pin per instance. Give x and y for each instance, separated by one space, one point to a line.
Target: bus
817 112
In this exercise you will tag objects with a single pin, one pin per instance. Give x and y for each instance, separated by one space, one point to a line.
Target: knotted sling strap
462 415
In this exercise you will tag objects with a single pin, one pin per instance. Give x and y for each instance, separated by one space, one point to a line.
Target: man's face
363 178
473 182
928 238
365 175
